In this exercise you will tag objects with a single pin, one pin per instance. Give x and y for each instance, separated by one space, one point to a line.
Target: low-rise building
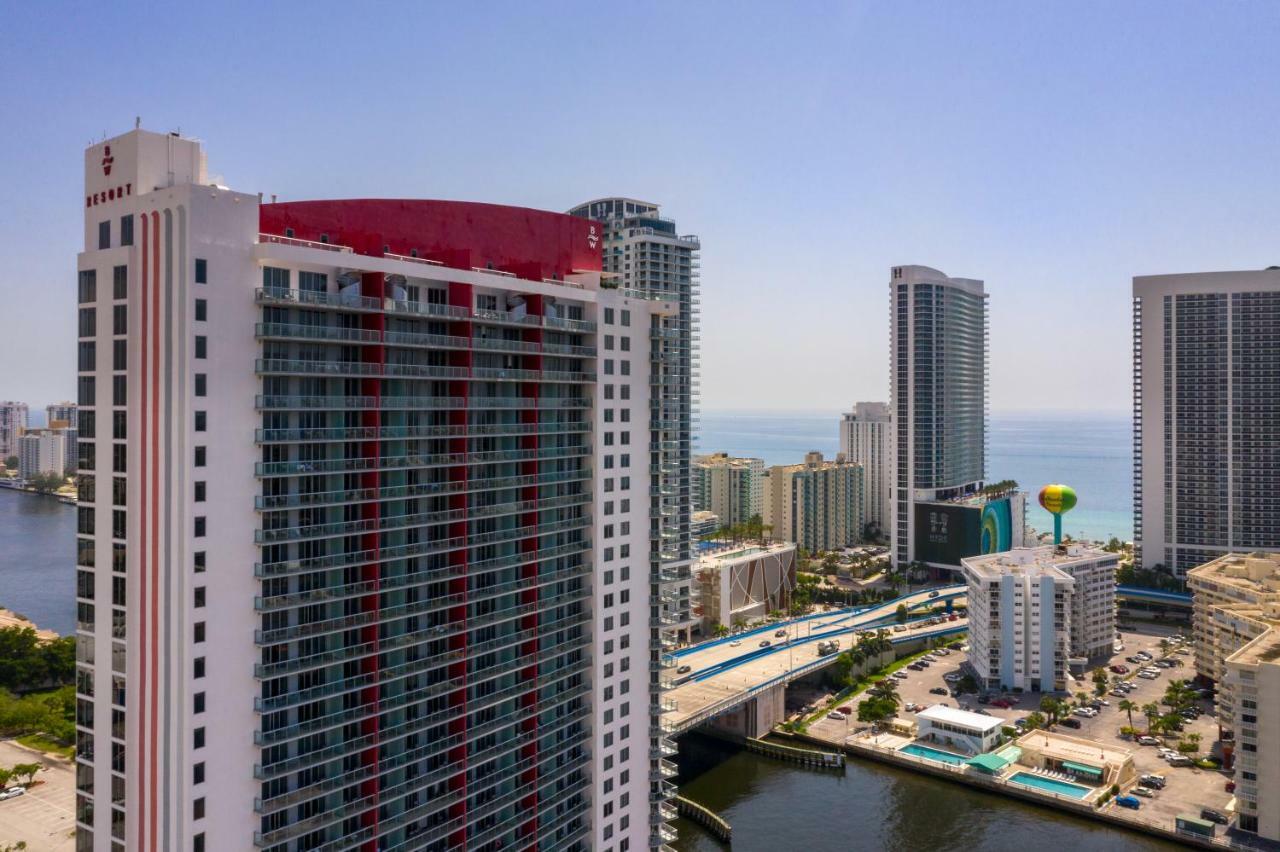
703 524
732 488
817 504
1020 611
41 452
972 733
739 584
1091 762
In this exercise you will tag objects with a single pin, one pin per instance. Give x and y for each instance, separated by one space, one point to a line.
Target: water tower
1057 500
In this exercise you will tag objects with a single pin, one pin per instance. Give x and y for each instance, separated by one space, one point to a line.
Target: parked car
915 667
952 617
1128 802
1070 723
1086 712
839 717
937 690
1145 792
943 651
1148 741
1003 703
12 793
1152 780
950 676
900 675
1133 660
1148 675
1119 669
1214 816
1230 787
1181 760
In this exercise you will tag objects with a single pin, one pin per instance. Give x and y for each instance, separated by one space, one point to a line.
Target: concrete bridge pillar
756 716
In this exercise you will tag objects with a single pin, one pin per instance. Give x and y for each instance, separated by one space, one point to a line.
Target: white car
1087 712
12 793
1145 792
1148 675
901 675
1148 741
735 643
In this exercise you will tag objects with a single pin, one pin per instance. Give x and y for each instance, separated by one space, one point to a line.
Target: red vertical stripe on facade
141 710
155 526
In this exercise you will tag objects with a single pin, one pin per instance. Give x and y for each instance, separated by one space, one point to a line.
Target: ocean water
1091 452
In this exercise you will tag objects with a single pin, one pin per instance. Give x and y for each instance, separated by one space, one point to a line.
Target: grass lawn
40 742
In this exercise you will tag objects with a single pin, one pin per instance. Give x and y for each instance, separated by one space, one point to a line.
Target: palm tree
1194 739
1128 707
719 630
889 689
1152 712
1050 706
1082 698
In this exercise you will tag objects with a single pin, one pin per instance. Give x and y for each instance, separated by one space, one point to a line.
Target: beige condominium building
817 504
732 488
737 585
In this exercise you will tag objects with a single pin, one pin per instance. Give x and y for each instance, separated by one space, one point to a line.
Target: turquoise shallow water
1092 452
1051 785
917 750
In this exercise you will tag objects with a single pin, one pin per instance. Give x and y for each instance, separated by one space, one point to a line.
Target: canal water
780 807
38 560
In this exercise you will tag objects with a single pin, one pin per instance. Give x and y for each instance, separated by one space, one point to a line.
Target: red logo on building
107 160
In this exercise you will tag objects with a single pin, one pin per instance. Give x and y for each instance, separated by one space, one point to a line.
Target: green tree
1100 681
11 462
47 483
719 630
1128 707
1152 712
876 709
1035 720
27 770
900 614
1050 706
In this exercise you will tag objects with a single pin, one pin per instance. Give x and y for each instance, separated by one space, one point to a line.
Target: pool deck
875 748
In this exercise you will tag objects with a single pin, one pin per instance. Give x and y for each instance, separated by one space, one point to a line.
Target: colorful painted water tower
1057 500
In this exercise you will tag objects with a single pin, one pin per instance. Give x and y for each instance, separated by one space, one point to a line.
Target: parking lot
45 815
1187 789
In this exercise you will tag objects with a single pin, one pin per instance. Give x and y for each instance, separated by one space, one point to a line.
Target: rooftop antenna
137 122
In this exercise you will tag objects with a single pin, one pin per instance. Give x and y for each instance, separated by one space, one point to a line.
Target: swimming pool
1051 785
927 753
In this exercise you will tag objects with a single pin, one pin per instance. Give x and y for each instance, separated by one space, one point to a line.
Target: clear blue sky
1054 150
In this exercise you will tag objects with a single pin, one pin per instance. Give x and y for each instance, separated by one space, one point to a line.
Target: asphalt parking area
44 816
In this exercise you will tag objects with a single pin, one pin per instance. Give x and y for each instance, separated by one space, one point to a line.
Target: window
119 354
202 421
200 456
626 317
88 286
608 316
275 280
199 631
202 384
202 346
312 282
202 271
119 425
198 703
198 562
200 492
126 232
198 737
120 319
197 844
200 526
104 235
197 771
119 390
199 667
88 356
120 282
202 310
119 458
88 322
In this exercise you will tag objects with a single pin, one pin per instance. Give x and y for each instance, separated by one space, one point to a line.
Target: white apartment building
365 552
1020 613
1206 415
13 422
1253 678
41 451
732 488
60 415
866 438
817 504
938 394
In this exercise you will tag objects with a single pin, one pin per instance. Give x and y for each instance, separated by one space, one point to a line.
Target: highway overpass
725 674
